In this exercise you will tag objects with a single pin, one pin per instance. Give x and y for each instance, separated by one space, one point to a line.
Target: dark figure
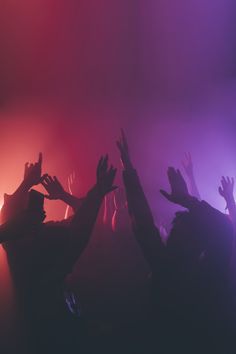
190 274
41 259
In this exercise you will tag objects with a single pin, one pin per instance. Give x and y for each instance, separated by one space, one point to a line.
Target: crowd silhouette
188 278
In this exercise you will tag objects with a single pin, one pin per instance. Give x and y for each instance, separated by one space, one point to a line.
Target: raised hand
53 187
188 164
179 191
122 145
32 173
226 189
105 176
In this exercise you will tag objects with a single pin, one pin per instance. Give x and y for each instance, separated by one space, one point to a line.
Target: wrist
99 190
189 202
230 201
63 195
25 186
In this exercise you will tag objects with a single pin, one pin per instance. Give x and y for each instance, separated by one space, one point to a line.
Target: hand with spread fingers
105 176
226 189
53 187
179 191
33 171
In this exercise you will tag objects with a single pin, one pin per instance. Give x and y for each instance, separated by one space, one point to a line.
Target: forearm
144 228
72 201
231 206
82 224
138 206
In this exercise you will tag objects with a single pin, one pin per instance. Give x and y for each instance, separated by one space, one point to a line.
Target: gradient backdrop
73 72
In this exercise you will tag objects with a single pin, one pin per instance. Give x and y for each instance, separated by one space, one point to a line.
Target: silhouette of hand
53 187
105 176
188 164
226 189
179 191
32 173
122 145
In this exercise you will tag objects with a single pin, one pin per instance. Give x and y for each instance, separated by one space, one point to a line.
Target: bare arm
145 231
82 223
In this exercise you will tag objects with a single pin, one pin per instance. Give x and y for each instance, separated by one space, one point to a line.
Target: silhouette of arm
145 231
82 223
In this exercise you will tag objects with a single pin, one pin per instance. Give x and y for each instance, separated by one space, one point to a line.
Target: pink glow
74 72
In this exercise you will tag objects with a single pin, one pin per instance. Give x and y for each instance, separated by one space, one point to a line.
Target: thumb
166 195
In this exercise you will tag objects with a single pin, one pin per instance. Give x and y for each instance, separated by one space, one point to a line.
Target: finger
105 164
114 172
51 179
165 194
43 177
223 181
124 139
57 181
100 163
180 176
48 179
111 175
171 172
44 183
